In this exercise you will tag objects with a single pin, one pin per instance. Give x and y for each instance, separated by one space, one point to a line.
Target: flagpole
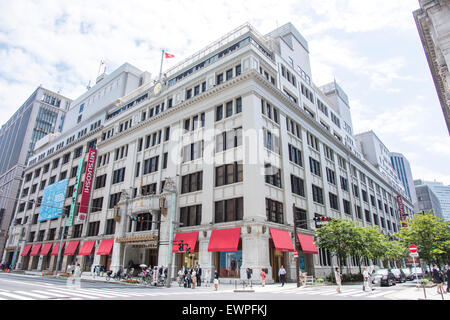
160 69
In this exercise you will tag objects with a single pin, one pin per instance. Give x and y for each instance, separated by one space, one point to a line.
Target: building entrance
277 259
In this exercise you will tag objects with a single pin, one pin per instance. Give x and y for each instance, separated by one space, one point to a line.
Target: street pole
60 245
171 231
297 260
17 248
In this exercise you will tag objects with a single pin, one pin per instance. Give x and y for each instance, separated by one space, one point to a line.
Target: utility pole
297 260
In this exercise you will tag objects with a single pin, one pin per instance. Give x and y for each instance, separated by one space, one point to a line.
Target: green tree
430 234
338 236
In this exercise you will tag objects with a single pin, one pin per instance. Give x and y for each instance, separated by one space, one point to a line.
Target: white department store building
245 136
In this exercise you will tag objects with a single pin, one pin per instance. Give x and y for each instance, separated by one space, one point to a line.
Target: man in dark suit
199 275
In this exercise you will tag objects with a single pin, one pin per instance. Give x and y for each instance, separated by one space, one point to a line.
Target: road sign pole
296 246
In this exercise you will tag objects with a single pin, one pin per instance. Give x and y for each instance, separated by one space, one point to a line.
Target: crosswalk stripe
15 296
26 293
106 291
49 293
350 292
381 293
72 293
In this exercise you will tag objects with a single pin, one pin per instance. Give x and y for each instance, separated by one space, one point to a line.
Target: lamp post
58 261
169 186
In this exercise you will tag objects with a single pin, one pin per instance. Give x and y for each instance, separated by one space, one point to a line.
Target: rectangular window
314 166
229 109
151 165
97 204
110 226
191 216
274 211
192 182
229 173
228 210
272 175
295 155
219 113
238 105
118 175
347 207
297 186
331 176
333 201
317 194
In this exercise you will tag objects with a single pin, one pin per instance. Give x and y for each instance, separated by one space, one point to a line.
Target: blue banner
53 200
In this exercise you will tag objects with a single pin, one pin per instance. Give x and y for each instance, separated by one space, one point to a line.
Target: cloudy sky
372 48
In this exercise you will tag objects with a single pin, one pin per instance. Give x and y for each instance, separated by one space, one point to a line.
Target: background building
441 194
427 199
403 170
433 24
42 113
248 141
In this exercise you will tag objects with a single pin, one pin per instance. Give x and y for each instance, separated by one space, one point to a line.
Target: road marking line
381 293
71 293
23 283
48 293
12 295
104 291
39 296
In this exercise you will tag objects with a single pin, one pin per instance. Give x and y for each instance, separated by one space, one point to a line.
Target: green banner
75 192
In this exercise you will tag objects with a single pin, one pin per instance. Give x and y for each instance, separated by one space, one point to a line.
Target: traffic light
180 247
188 250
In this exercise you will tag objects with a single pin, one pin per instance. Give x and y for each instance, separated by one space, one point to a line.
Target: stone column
255 252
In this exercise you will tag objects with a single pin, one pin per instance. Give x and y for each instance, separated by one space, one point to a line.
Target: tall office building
427 199
403 169
442 194
42 113
433 24
232 143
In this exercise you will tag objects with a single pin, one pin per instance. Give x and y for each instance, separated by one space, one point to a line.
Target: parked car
409 275
400 276
418 271
383 277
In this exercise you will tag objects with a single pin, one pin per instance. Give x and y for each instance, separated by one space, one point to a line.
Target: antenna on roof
89 85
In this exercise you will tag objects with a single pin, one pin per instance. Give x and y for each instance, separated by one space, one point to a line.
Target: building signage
53 200
75 192
87 186
401 210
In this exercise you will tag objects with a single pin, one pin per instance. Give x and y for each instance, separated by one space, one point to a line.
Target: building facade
403 170
41 114
427 199
247 141
442 195
433 24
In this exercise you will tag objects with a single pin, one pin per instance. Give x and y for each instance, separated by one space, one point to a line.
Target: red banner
401 210
87 185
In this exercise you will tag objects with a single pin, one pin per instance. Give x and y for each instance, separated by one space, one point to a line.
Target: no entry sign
412 248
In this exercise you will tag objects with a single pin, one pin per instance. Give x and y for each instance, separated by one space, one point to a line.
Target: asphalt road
29 287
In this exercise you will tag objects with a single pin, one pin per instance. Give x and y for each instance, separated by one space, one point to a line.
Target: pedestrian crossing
68 293
55 292
328 292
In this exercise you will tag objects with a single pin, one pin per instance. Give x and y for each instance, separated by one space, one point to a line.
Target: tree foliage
430 234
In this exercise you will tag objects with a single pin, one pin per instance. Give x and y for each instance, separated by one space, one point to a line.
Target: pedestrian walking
282 275
263 277
367 280
438 279
194 278
216 279
249 276
338 277
199 276
447 273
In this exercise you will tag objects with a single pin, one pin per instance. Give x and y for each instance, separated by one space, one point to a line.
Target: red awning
55 248
71 247
190 238
224 240
105 247
307 243
46 249
86 248
282 240
26 250
35 250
